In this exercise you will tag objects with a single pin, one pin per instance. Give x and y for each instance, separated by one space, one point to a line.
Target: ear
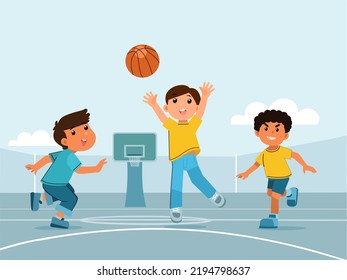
63 141
165 108
286 136
256 133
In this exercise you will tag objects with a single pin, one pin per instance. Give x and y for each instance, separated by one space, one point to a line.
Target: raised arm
304 165
250 170
38 165
151 100
206 90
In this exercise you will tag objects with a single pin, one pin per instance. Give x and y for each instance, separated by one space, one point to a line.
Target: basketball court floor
102 228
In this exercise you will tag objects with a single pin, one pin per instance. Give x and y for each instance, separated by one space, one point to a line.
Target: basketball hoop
134 148
134 161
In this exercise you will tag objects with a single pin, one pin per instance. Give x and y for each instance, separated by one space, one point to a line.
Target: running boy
272 127
186 106
74 134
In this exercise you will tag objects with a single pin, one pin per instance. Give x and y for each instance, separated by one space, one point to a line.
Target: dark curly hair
273 116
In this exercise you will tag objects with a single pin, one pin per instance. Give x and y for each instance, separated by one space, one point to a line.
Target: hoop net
134 161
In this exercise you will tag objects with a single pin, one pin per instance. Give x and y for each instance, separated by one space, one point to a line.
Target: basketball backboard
134 148
141 145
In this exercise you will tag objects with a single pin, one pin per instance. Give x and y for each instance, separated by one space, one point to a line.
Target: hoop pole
34 174
235 173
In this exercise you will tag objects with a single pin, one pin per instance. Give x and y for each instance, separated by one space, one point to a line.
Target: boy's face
79 138
182 107
272 133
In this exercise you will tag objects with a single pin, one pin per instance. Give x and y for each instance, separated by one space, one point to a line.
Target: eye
86 127
73 132
266 128
174 100
277 130
189 101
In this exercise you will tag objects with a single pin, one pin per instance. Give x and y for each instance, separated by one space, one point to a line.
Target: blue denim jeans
65 194
187 163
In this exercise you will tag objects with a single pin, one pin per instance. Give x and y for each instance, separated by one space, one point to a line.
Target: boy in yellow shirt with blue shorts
187 106
272 127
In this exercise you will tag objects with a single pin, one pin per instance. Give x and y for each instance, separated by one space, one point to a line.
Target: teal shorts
278 185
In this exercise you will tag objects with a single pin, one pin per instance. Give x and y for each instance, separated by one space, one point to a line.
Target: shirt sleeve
54 155
195 122
169 124
259 159
73 162
287 153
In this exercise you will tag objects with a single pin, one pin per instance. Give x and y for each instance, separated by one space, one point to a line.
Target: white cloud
38 138
299 117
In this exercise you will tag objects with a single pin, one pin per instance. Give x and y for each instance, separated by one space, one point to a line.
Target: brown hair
68 122
181 90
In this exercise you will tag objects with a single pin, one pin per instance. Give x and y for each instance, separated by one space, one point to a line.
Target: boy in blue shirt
74 134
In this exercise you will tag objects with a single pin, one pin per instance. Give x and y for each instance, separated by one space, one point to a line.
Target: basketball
142 61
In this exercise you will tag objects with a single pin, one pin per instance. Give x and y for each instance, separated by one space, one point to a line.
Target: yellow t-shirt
182 137
274 162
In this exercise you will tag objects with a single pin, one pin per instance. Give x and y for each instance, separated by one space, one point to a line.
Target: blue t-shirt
64 164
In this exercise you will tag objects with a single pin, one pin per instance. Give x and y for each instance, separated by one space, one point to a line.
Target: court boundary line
84 220
170 229
185 209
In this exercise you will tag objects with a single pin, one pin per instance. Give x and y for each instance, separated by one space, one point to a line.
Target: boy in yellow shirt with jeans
185 105
272 127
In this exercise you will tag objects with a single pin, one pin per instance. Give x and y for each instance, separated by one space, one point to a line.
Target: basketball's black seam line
149 47
152 54
138 62
154 57
131 63
135 50
147 62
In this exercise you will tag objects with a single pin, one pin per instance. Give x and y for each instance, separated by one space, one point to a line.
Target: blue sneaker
271 222
292 200
35 201
57 223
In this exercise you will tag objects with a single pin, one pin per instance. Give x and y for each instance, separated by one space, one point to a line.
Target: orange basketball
142 61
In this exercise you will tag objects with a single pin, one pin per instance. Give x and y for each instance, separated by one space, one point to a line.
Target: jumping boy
74 134
186 106
272 127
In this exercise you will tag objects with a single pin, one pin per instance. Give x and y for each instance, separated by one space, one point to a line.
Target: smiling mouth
183 111
84 142
271 138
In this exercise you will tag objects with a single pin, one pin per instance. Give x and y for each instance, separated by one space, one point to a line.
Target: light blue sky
57 57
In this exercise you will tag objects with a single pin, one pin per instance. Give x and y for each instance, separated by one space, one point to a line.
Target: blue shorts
278 185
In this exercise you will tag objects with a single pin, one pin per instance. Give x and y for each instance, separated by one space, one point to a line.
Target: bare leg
60 215
269 192
275 199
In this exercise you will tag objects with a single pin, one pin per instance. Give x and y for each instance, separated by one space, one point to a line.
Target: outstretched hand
32 168
243 175
309 168
206 89
101 163
150 99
